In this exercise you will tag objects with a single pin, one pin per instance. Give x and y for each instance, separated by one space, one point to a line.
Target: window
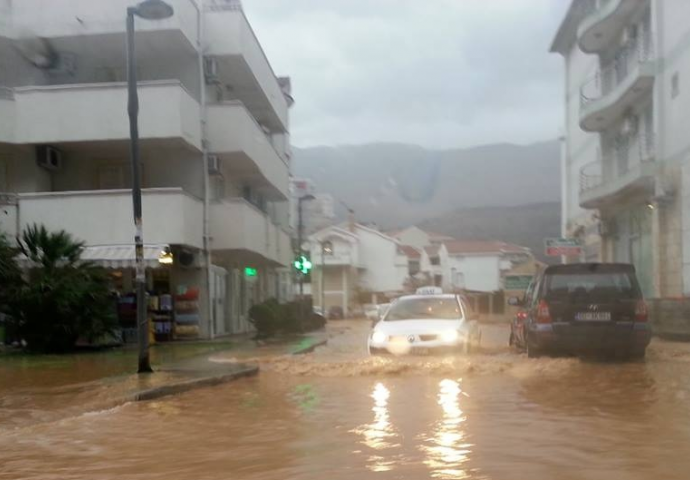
435 260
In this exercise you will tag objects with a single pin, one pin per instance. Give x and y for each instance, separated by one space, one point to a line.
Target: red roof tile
410 251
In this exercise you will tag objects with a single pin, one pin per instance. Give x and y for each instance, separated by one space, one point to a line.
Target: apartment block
626 152
215 147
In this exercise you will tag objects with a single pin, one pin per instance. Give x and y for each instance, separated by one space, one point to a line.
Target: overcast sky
438 73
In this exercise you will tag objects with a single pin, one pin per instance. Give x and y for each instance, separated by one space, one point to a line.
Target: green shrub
263 317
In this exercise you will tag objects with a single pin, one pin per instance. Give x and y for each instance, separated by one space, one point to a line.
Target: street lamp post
326 248
148 10
300 231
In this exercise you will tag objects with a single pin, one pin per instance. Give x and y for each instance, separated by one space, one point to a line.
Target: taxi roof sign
429 291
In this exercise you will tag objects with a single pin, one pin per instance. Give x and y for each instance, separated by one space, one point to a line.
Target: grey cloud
439 73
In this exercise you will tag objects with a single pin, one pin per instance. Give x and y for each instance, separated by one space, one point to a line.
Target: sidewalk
44 388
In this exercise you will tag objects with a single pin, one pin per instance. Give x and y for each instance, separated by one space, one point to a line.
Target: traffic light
302 264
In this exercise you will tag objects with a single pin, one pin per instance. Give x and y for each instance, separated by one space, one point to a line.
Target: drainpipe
204 153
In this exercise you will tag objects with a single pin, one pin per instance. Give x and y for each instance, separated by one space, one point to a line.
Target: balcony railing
619 168
618 71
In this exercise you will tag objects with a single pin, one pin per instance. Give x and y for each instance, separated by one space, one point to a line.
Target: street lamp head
153 10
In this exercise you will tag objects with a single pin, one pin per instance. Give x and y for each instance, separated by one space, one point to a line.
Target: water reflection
446 449
379 434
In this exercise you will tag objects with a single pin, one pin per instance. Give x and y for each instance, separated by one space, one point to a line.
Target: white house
215 148
418 238
478 269
478 266
364 265
626 156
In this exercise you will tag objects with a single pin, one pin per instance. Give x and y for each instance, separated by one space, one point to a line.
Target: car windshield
570 286
424 308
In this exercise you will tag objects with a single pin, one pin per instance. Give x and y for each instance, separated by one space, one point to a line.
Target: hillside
396 184
525 225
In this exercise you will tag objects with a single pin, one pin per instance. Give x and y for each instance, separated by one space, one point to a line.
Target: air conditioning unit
211 70
214 165
64 64
49 158
630 125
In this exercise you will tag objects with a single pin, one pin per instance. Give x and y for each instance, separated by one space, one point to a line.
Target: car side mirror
515 302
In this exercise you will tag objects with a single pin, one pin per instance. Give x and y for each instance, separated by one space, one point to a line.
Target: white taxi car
429 321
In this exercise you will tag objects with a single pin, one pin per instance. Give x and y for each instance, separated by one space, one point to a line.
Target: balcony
65 23
243 231
104 217
98 112
335 259
618 174
243 66
617 87
238 139
603 22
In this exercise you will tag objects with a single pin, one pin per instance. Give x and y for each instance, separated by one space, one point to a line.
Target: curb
310 348
186 385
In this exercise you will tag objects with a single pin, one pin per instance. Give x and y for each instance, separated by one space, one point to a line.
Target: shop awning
116 256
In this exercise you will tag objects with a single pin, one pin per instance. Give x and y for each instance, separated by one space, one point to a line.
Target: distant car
424 324
371 311
584 307
335 313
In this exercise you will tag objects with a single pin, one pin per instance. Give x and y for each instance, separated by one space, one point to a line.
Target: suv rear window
565 285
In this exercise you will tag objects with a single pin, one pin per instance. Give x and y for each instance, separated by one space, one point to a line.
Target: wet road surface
338 414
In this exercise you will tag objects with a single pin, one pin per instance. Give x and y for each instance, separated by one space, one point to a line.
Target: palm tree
65 297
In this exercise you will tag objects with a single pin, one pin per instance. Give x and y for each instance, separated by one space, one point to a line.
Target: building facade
215 154
626 155
363 266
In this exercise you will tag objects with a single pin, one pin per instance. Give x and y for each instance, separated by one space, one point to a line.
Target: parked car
424 324
584 307
371 312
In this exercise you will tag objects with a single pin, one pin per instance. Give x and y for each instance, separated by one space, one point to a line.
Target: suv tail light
641 311
543 313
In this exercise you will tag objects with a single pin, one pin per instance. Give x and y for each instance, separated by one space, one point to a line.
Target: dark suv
584 307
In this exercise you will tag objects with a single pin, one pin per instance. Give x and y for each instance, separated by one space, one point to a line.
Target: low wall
670 317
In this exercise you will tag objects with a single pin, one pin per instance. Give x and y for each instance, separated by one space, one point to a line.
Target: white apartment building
626 151
364 266
215 154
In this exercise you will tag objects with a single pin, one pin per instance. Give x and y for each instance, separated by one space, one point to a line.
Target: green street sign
250 272
516 282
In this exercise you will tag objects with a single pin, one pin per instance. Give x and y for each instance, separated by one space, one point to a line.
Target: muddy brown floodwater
337 414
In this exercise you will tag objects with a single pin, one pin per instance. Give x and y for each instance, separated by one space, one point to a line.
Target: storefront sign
556 247
516 282
250 272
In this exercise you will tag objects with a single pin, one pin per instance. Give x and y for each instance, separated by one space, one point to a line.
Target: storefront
174 282
631 242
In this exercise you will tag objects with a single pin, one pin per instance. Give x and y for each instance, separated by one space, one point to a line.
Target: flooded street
338 414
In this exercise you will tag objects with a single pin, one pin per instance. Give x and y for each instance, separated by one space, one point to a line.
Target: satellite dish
38 51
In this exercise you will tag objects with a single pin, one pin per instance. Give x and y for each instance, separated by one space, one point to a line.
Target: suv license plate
593 316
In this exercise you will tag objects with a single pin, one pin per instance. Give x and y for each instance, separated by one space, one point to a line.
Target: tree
10 274
64 297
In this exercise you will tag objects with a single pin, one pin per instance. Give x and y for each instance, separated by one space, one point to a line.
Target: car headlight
379 337
450 336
